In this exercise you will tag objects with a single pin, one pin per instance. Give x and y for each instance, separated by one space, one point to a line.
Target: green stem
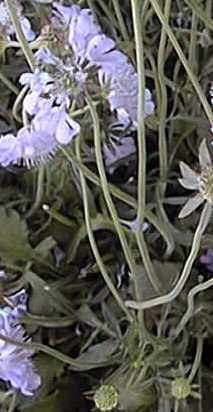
20 35
162 105
13 402
183 60
8 83
190 302
94 247
104 185
39 347
197 360
135 5
120 19
169 297
148 263
39 192
119 194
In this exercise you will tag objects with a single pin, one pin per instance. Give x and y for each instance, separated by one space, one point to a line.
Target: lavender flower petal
9 150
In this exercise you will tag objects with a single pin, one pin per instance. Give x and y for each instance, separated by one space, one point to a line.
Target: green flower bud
181 388
106 398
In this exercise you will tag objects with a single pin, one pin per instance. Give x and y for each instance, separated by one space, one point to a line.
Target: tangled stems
182 57
93 244
20 35
169 297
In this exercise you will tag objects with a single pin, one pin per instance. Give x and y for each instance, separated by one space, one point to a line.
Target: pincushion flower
202 182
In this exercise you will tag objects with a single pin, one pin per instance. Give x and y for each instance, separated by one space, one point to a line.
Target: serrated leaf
14 244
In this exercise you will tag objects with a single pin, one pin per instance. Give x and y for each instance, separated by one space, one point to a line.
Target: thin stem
39 347
39 192
19 33
8 83
204 220
120 19
94 247
190 302
119 194
183 60
104 185
13 402
197 359
147 262
162 105
135 5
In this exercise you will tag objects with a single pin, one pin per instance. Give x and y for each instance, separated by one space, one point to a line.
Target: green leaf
44 247
14 244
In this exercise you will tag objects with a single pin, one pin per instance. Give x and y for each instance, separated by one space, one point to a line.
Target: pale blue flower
65 13
114 153
56 120
6 23
114 69
15 362
16 366
82 29
207 259
9 150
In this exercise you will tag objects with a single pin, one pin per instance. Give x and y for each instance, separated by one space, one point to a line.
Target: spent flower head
202 182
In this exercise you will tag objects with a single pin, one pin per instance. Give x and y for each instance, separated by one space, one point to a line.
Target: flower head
203 181
106 398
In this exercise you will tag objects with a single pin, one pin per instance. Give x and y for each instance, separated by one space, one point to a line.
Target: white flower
203 181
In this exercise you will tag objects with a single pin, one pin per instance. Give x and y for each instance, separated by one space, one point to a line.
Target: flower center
205 182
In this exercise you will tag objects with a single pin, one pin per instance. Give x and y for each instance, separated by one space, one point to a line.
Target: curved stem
39 347
190 301
204 220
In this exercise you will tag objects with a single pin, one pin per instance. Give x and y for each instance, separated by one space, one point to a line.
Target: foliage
119 279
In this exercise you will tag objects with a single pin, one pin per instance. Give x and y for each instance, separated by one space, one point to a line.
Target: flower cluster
6 26
59 81
15 361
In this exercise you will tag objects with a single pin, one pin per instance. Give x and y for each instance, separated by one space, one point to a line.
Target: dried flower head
203 181
106 398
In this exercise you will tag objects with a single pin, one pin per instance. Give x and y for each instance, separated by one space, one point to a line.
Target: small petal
9 150
204 155
188 184
188 173
191 205
67 129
